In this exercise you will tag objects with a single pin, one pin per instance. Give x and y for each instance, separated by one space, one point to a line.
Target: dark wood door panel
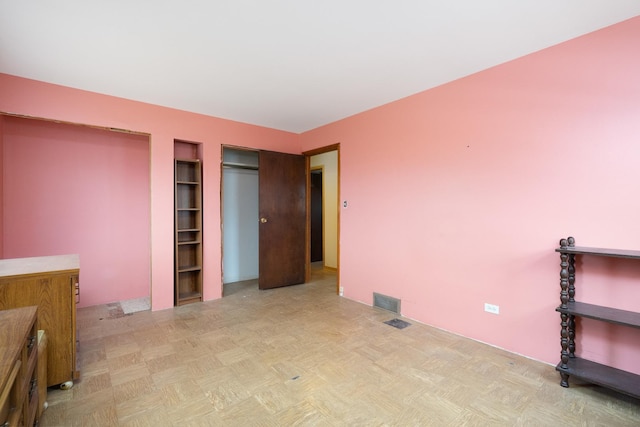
282 181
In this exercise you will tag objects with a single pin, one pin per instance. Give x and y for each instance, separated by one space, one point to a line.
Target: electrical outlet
341 291
490 308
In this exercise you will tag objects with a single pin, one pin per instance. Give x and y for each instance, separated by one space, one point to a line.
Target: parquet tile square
133 388
145 409
128 373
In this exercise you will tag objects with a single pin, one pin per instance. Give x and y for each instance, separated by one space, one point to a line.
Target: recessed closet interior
239 215
78 189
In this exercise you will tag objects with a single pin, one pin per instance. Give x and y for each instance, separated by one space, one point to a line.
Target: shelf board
189 242
188 182
606 376
188 268
188 230
606 314
189 297
188 209
615 253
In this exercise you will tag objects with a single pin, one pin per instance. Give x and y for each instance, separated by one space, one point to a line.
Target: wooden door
282 207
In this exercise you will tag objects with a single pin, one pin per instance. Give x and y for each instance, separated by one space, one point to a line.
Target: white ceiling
287 64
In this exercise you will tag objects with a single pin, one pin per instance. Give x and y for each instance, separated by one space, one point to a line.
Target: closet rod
239 166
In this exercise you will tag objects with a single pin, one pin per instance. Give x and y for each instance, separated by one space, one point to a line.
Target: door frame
308 155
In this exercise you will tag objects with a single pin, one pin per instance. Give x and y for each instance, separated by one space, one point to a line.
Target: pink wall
38 99
74 189
1 186
458 195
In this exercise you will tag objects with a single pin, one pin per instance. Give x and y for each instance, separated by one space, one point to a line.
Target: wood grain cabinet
52 284
188 232
570 308
18 367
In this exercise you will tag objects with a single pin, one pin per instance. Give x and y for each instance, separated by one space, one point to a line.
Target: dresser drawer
9 395
18 367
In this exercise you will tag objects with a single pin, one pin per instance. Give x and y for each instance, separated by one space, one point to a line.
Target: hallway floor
301 355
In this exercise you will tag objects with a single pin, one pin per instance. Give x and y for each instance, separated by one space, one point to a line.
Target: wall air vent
386 302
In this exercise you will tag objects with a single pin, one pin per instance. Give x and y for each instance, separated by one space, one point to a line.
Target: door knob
263 220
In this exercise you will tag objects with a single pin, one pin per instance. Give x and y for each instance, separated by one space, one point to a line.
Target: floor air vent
388 303
397 323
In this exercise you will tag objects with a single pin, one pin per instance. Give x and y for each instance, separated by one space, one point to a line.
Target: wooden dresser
18 367
52 284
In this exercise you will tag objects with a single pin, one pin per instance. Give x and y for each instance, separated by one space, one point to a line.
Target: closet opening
71 188
240 213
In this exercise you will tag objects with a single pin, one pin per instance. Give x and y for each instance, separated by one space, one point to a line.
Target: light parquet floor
301 355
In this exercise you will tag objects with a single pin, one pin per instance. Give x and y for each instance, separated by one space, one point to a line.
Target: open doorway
324 213
317 217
